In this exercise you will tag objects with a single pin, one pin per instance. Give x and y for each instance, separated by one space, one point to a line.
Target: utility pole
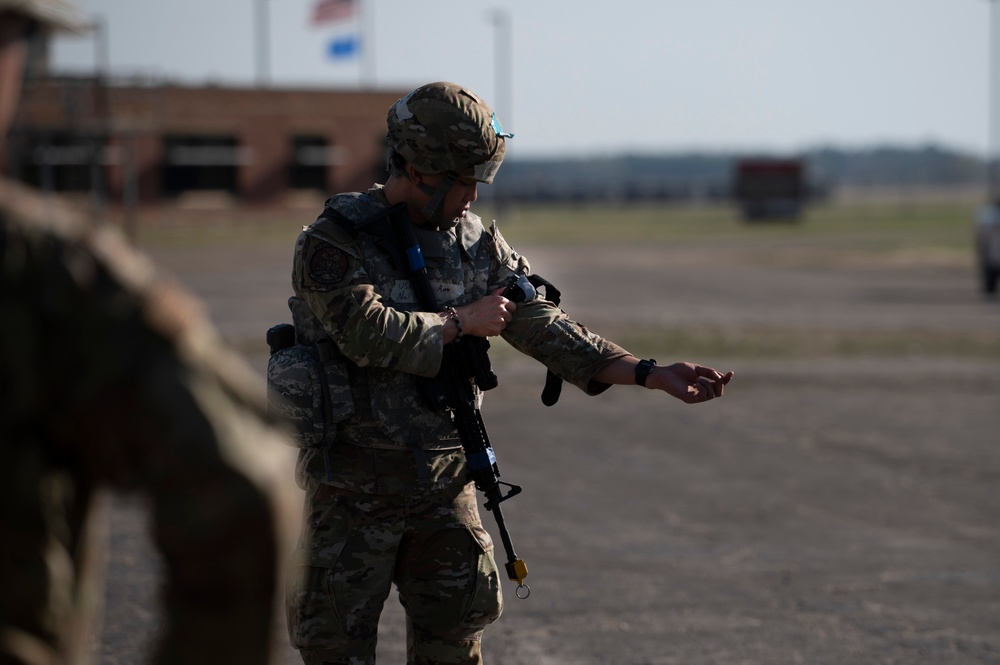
99 131
367 29
993 121
502 52
263 44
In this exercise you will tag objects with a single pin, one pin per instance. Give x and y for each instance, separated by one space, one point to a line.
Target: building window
312 159
201 162
59 161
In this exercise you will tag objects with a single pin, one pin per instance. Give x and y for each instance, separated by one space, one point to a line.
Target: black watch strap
642 371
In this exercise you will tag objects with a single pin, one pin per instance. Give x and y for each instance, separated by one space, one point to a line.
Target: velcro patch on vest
328 265
401 292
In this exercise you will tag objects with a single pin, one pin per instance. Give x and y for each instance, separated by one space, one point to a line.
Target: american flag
326 11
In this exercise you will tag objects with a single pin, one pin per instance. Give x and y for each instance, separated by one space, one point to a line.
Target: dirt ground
832 509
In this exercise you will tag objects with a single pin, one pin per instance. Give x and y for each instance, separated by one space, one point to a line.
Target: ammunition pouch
308 385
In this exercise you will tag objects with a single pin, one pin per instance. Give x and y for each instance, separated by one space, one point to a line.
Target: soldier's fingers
721 384
711 388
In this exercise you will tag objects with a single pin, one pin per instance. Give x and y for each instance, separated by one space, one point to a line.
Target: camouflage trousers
355 546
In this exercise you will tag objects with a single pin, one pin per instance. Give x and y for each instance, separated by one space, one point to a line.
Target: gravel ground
827 510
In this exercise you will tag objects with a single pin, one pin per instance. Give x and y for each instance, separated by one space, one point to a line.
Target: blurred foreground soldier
389 500
111 377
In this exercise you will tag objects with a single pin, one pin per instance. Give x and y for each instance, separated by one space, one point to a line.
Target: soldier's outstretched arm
689 382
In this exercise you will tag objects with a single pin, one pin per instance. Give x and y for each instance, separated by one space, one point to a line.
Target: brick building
145 141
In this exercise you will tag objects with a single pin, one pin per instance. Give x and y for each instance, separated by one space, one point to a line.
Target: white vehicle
988 245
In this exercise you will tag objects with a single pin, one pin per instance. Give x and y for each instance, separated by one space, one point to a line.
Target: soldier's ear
414 176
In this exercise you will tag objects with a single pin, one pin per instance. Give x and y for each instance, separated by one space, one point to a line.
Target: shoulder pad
344 215
353 208
334 227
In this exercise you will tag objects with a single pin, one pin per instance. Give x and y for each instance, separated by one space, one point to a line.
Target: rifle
465 361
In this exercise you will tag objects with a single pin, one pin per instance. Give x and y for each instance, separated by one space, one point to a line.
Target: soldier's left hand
689 382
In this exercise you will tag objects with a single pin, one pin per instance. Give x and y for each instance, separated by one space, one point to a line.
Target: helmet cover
442 127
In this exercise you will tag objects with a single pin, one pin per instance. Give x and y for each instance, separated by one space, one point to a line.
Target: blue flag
344 46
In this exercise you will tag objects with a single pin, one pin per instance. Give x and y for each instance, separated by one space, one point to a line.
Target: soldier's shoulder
25 212
72 237
473 219
343 214
117 282
355 207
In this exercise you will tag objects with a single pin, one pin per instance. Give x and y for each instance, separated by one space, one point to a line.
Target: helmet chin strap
433 210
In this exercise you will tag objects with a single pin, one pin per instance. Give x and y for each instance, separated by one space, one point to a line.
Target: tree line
704 175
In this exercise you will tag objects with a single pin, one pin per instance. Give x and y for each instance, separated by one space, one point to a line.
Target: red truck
988 246
766 187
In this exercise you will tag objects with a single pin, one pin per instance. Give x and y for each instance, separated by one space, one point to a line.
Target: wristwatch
642 370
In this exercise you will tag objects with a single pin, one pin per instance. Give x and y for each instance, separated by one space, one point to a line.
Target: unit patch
328 264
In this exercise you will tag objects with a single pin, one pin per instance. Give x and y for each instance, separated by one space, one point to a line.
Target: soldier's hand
487 316
689 382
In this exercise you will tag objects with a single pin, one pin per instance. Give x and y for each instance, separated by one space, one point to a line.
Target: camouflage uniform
110 377
390 502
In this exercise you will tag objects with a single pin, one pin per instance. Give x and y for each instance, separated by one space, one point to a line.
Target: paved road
826 511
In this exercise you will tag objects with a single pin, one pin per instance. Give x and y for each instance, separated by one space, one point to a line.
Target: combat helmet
444 128
59 15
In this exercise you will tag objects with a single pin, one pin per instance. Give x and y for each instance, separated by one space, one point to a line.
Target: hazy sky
593 77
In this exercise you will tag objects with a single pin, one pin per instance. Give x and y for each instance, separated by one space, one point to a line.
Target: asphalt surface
826 510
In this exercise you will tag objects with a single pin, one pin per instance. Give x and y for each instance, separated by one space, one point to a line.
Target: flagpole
993 109
367 43
263 45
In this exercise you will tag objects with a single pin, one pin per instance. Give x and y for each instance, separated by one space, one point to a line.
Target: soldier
111 378
388 495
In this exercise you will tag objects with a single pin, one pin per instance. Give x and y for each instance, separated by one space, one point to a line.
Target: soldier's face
458 200
13 53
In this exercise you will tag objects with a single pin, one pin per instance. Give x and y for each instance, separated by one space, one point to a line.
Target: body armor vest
330 399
